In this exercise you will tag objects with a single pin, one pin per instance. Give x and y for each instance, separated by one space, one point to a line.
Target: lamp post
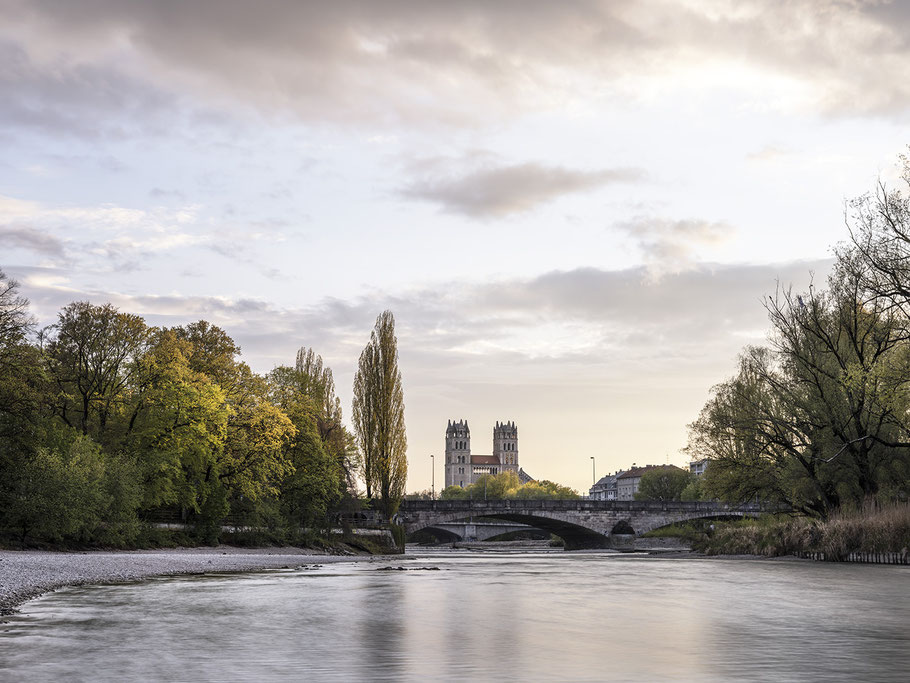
593 471
433 476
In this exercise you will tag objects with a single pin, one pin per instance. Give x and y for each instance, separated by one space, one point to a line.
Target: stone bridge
580 523
474 531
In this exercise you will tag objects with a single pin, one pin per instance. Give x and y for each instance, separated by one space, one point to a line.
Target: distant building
697 467
627 483
463 468
605 488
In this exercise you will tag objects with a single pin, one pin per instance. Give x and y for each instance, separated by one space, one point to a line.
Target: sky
573 209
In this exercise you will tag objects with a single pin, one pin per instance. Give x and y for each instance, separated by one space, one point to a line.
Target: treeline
819 419
507 485
107 424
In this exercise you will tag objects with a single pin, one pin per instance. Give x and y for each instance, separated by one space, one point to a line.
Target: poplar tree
378 414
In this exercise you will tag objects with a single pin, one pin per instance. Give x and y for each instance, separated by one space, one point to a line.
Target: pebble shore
27 574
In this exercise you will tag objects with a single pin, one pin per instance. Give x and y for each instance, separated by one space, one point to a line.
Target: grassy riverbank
872 530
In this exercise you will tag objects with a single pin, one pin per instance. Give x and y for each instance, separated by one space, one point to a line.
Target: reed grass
872 529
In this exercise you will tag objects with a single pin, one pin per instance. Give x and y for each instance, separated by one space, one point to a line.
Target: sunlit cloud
673 245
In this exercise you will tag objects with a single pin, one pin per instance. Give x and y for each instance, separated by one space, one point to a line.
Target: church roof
484 460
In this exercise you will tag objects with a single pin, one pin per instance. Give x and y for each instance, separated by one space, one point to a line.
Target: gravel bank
27 574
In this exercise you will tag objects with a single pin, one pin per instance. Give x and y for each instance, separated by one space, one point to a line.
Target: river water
479 616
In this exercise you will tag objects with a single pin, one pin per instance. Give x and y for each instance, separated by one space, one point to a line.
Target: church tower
505 445
458 454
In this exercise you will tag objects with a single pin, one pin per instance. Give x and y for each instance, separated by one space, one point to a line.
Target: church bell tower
458 454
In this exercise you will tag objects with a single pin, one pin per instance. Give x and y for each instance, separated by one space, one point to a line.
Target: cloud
586 315
497 191
33 240
108 234
69 66
672 245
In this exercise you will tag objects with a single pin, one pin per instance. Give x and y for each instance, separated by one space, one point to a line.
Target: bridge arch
576 536
441 535
622 527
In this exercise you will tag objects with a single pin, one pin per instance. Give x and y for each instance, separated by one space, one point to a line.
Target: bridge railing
584 505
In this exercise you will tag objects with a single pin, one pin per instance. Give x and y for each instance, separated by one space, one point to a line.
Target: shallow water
481 616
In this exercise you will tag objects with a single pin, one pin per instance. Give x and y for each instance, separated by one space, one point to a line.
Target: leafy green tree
311 378
20 374
68 495
494 486
312 488
318 481
453 493
315 380
179 433
693 491
546 489
506 485
212 352
92 354
663 483
250 460
379 416
22 389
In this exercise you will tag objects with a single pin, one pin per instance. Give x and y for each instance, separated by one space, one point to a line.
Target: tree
93 354
819 419
506 485
212 353
72 493
22 381
879 250
18 359
252 459
453 492
179 427
312 488
663 483
495 486
315 380
308 389
378 414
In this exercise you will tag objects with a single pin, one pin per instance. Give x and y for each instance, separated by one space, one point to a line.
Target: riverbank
26 574
874 535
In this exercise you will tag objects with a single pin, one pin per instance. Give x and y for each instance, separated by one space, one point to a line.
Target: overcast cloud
439 62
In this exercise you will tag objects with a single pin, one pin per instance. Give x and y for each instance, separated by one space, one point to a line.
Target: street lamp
593 470
433 476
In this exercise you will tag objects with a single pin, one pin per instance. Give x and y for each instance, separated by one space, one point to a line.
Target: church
463 469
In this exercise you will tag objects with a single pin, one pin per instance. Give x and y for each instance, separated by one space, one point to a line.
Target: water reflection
514 617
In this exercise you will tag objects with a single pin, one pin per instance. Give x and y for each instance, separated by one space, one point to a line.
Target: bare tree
879 250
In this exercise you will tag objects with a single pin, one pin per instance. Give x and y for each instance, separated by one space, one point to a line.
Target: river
479 616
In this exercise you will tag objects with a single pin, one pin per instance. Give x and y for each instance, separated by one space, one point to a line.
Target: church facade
463 468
